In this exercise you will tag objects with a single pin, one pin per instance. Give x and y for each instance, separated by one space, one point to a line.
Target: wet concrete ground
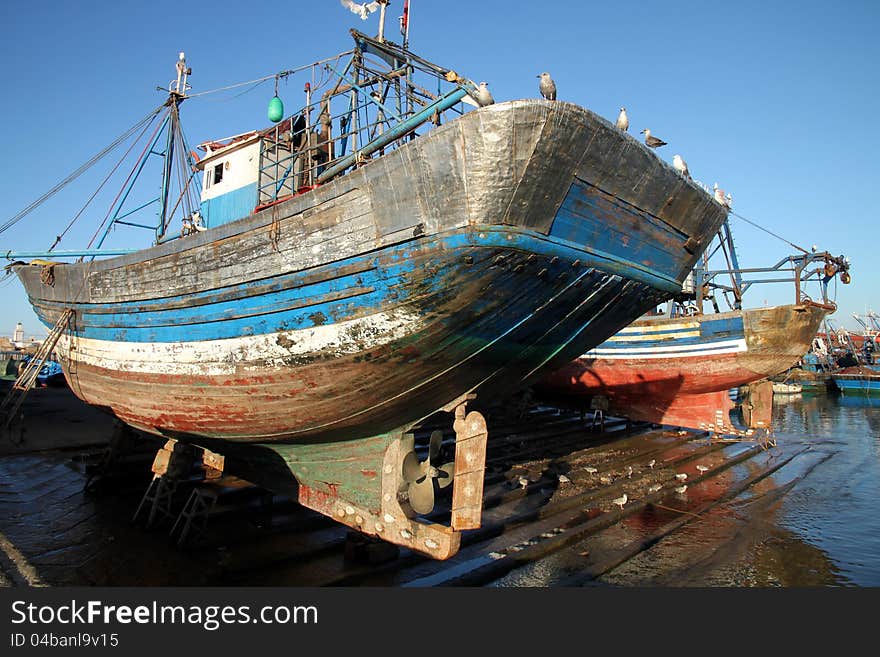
784 530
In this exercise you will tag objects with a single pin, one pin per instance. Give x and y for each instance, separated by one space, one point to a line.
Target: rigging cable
73 176
792 244
101 186
134 168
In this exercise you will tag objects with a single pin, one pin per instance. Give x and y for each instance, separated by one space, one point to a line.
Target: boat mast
176 95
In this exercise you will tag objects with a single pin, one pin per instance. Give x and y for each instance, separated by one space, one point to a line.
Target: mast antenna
180 86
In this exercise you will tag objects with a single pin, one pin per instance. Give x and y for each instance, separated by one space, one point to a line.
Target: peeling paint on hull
678 371
481 255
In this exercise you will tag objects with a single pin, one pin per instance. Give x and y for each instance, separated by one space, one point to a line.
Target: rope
122 189
101 186
73 176
769 232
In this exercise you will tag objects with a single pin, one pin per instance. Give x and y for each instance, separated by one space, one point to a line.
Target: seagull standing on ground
681 166
363 9
651 463
702 468
622 120
620 501
547 86
651 141
681 489
681 477
523 482
629 471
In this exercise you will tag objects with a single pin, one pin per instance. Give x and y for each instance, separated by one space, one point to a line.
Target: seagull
720 196
622 120
620 501
629 471
547 86
363 10
590 470
651 463
483 95
654 488
681 489
523 482
651 141
681 477
702 468
563 479
681 166
728 201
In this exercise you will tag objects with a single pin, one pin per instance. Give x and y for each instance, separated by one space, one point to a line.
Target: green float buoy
276 109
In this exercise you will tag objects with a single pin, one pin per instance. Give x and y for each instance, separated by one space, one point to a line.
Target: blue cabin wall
229 206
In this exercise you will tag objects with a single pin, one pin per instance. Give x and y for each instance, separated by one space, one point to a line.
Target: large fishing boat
341 279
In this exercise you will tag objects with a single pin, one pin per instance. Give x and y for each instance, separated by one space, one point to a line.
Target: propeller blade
446 473
434 445
421 496
412 469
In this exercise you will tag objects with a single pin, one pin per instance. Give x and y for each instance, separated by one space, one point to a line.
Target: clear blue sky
775 101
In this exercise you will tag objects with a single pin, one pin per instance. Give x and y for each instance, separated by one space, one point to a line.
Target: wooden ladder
28 374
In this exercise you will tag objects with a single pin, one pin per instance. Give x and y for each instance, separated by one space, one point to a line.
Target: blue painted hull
853 384
451 265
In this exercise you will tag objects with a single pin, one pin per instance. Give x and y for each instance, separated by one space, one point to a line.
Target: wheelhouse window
218 173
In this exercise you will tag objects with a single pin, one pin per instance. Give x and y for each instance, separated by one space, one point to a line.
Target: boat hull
476 258
678 371
857 381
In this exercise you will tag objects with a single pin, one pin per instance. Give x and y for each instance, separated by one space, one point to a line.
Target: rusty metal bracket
471 436
389 519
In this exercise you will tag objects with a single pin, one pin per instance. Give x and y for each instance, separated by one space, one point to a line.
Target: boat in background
857 381
677 369
341 279
781 388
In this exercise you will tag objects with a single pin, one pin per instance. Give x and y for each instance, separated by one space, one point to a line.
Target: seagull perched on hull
363 9
681 166
622 120
547 86
724 199
651 141
483 96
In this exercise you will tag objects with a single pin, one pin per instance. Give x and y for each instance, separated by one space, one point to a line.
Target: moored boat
678 370
858 380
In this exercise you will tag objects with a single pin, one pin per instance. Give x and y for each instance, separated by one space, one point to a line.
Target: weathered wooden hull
479 256
678 371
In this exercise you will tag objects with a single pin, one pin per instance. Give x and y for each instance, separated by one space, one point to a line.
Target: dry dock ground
554 513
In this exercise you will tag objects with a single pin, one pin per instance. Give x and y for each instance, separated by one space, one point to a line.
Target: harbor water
814 522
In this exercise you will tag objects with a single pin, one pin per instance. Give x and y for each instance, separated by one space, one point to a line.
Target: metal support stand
172 465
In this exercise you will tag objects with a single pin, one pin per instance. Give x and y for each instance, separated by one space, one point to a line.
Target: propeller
421 476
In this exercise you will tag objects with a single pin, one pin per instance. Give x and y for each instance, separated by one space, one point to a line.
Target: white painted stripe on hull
648 328
697 351
230 356
654 336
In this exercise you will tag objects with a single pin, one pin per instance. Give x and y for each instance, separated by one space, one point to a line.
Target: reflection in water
812 523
